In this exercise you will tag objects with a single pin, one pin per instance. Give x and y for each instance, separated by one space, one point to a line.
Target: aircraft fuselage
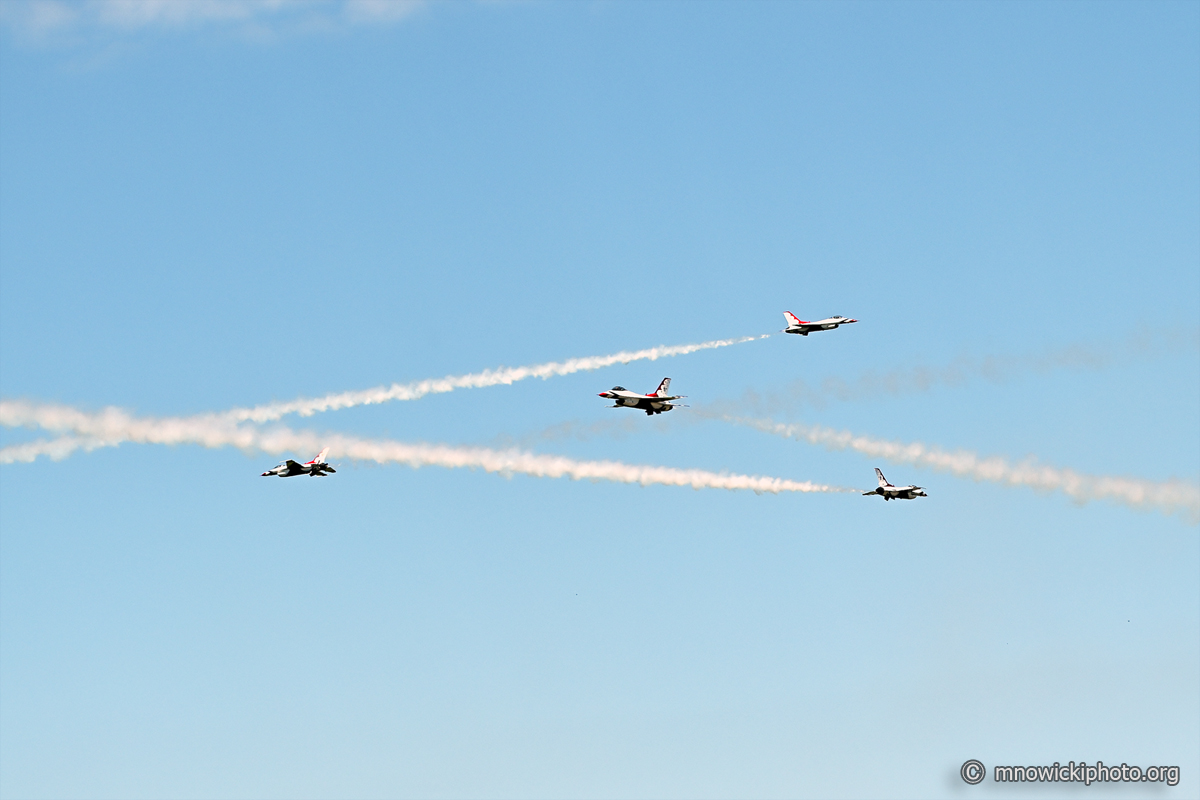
805 328
290 469
650 403
898 492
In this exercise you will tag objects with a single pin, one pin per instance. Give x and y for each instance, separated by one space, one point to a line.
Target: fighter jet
652 404
315 468
889 492
796 325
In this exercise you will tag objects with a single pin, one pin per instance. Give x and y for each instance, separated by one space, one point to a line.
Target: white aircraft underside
657 403
797 325
317 468
889 492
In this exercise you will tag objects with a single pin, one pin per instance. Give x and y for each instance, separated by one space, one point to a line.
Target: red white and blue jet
313 469
657 403
797 325
889 492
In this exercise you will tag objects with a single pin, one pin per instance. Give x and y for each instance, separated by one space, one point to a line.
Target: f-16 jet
656 403
313 469
797 325
889 492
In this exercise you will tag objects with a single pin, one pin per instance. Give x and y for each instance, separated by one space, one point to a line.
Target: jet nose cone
266 475
851 320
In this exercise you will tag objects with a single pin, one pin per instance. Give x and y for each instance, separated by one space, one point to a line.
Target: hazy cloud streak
966 369
45 17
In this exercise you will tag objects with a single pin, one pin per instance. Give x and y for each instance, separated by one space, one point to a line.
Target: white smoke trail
491 377
1167 496
56 449
114 425
17 413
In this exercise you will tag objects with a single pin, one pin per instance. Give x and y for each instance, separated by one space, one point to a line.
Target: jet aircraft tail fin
320 459
792 319
663 387
882 480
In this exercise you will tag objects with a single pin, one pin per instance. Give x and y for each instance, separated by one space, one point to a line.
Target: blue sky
247 203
